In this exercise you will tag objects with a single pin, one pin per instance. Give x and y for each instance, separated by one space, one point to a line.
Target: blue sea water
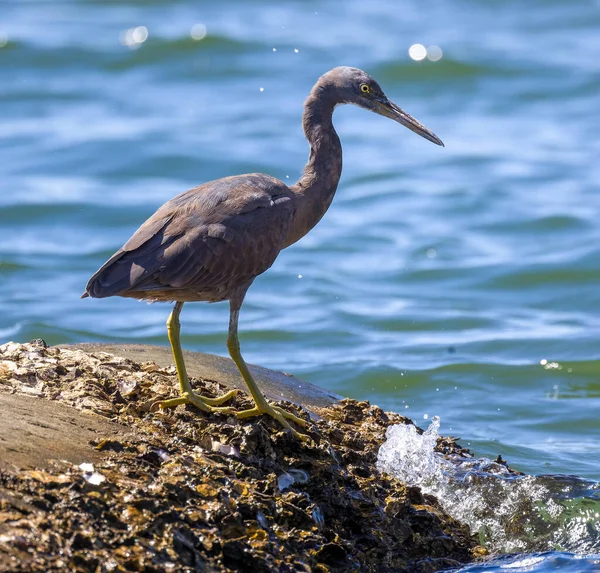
460 282
537 563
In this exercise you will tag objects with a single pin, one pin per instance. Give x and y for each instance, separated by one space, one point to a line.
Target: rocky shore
93 480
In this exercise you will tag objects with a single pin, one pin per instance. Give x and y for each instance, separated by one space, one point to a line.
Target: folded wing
203 244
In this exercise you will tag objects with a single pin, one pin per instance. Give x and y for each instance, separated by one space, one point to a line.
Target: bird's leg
261 406
188 396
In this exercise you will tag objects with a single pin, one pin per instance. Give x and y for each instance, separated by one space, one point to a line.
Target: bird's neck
316 187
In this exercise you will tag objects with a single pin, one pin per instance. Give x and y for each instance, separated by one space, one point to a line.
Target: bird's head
351 85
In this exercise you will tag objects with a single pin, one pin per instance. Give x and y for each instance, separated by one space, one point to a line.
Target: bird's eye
364 88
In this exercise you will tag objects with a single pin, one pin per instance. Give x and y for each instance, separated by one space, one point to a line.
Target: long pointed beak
389 109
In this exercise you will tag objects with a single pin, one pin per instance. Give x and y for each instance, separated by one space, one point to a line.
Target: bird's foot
279 414
203 403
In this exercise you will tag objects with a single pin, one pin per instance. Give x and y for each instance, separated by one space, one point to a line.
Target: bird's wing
211 238
118 273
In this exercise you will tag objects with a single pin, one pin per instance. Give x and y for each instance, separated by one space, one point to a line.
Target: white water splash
409 456
510 513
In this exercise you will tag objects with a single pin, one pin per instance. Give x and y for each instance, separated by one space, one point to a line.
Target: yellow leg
188 396
261 406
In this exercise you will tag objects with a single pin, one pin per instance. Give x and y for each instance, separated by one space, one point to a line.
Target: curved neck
316 187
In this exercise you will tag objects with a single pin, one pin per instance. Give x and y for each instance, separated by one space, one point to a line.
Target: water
461 282
510 513
537 563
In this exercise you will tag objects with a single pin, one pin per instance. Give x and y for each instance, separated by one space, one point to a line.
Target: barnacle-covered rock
183 491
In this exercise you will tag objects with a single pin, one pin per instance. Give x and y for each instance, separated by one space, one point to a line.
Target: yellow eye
364 88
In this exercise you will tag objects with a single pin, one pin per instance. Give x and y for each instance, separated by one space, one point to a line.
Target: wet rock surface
181 491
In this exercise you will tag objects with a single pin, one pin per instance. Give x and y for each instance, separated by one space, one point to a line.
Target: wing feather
203 244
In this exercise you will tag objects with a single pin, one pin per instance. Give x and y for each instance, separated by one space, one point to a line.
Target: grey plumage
211 242
204 245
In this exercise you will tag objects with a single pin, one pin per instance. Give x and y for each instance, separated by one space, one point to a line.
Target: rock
103 483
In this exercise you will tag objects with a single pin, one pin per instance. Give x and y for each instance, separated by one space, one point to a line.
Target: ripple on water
547 562
439 279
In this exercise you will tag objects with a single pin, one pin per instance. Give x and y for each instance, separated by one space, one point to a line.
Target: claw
201 402
279 414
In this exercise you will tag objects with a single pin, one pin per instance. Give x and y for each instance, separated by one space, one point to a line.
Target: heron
211 242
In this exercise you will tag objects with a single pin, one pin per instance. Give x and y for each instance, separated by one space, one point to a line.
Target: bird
211 242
